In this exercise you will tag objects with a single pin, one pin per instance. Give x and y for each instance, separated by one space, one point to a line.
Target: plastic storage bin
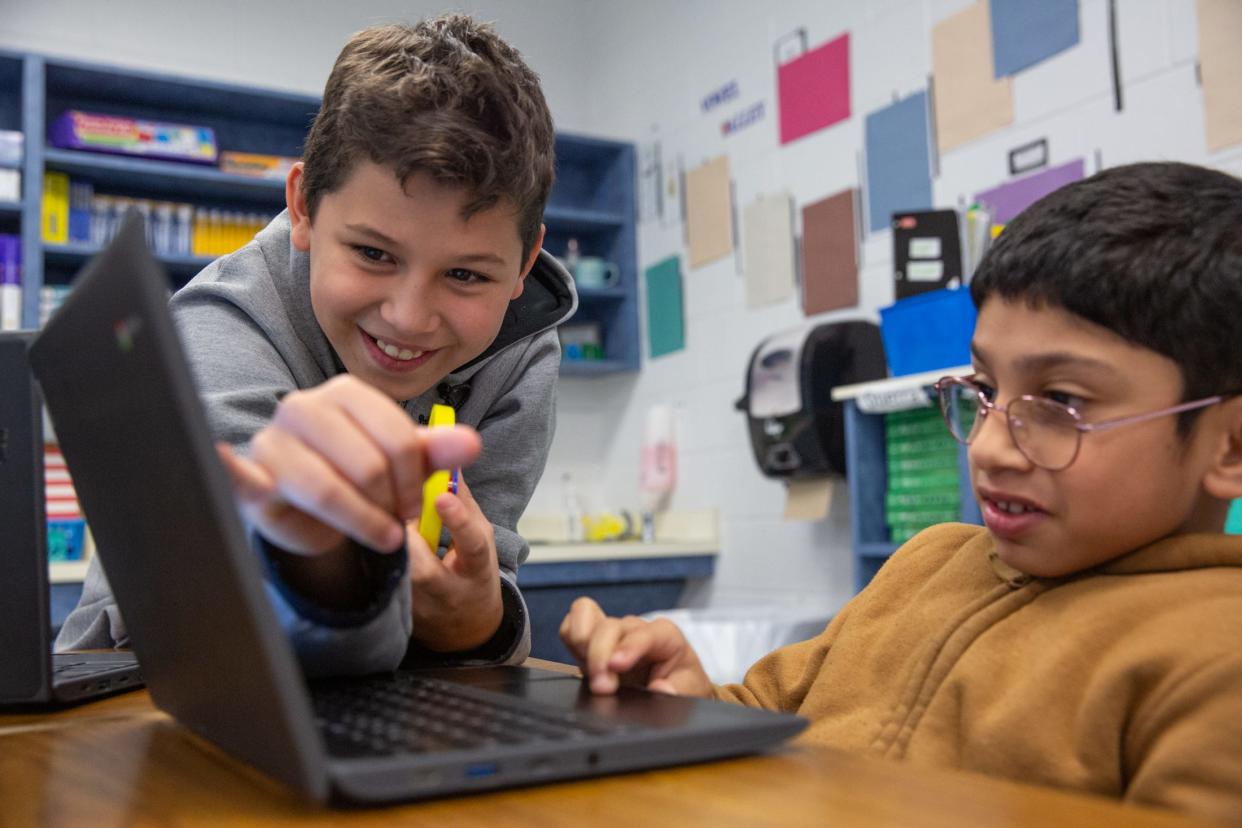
730 640
921 459
928 331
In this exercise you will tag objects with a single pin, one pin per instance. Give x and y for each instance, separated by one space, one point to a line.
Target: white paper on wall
768 247
650 182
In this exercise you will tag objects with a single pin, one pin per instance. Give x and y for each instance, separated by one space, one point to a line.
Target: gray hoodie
251 337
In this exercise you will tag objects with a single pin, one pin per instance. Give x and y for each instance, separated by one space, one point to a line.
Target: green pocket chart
666 327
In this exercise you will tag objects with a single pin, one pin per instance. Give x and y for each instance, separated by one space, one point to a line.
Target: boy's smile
404 288
1126 488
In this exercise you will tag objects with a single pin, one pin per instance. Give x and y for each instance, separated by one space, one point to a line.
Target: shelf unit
11 119
592 200
244 119
867 468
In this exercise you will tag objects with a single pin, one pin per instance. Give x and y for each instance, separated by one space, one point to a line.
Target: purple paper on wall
1012 197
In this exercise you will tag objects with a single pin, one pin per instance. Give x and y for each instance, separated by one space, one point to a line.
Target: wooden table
122 762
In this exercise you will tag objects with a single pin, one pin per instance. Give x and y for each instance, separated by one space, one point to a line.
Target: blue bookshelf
10 119
867 470
244 119
583 221
592 200
10 91
165 178
593 367
72 256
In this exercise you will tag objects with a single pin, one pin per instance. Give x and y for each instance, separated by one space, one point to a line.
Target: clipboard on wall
927 252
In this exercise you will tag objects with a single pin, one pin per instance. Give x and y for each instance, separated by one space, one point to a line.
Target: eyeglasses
1048 433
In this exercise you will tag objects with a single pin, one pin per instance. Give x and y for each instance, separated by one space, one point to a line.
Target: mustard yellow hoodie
1124 681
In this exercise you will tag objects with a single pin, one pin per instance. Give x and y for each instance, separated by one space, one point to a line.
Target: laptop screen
160 507
24 641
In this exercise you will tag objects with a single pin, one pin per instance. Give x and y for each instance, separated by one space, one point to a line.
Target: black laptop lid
160 507
24 644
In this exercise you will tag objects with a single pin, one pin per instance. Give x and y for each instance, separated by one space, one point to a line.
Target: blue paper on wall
898 160
1024 33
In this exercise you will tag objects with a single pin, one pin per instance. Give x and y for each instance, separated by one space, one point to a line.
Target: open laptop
30 675
161 508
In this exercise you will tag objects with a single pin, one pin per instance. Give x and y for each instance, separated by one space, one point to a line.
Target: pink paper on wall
814 89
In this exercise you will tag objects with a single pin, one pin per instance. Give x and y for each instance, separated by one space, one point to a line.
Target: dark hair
1152 252
447 97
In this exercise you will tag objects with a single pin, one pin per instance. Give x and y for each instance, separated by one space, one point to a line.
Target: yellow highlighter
438 483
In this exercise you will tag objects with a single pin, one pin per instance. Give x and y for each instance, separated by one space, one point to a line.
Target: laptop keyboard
73 668
406 714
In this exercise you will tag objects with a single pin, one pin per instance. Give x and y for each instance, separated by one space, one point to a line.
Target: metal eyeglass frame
1080 428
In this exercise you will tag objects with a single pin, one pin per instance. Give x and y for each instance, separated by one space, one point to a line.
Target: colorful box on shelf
12 144
928 331
10 185
93 132
256 164
54 209
581 341
66 540
10 282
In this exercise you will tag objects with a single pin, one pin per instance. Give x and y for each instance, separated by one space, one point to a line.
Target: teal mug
594 273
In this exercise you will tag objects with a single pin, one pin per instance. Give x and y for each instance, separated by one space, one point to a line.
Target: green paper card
666 329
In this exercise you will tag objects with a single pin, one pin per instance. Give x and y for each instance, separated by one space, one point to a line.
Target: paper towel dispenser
796 430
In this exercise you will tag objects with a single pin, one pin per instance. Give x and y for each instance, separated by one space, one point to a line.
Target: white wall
637 70
668 56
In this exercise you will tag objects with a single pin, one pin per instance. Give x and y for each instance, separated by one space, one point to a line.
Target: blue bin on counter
928 331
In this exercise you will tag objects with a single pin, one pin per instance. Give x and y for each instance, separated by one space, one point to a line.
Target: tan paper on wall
970 102
1220 67
808 499
767 233
709 212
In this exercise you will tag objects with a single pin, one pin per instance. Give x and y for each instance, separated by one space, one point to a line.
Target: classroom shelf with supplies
206 162
905 471
591 221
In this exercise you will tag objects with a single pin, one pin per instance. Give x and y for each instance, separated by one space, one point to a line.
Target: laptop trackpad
564 692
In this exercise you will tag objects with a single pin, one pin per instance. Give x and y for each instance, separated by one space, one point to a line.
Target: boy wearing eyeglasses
1089 636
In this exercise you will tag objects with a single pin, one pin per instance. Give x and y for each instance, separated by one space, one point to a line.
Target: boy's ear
529 264
1224 478
299 216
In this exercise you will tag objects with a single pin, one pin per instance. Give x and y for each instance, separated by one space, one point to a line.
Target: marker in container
438 483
